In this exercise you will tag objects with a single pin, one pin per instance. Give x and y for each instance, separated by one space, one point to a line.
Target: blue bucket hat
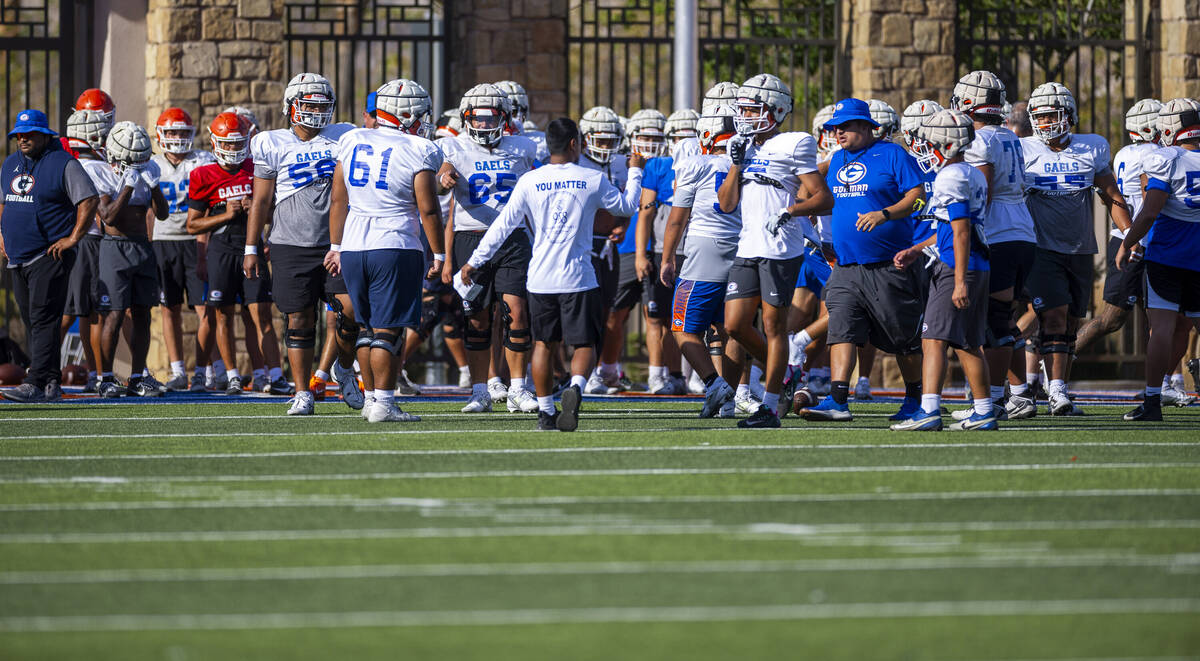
31 121
371 102
848 110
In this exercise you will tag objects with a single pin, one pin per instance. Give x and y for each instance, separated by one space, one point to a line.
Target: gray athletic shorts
963 329
875 303
128 273
773 280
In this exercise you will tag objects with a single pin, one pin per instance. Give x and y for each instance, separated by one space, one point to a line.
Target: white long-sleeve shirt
561 202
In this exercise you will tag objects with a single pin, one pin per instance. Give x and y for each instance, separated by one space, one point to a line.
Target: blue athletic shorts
697 305
385 286
814 273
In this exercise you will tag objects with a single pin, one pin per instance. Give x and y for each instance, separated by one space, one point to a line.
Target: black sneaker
53 391
142 388
1147 411
25 393
234 387
787 391
547 421
568 418
763 418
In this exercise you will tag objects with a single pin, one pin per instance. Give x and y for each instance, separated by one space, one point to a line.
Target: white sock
177 368
209 371
771 401
997 392
579 380
609 370
658 370
1033 377
369 395
983 406
515 384
686 369
546 404
1019 389
277 373
479 390
1166 381
743 390
232 374
1058 386
465 369
320 374
384 397
931 403
495 379
756 374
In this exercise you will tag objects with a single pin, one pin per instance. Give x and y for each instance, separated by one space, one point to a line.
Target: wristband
335 247
439 257
251 250
887 215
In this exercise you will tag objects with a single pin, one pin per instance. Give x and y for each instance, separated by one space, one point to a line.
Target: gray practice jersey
486 177
303 174
174 186
1007 216
712 234
1060 191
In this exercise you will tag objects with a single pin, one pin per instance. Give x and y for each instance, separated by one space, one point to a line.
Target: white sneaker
1060 404
1171 396
1020 407
999 412
498 391
478 404
695 385
348 386
464 379
301 404
520 399
389 412
368 403
963 414
657 385
597 386
746 403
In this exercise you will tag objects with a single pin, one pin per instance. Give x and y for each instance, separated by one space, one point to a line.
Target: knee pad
1019 344
505 313
477 340
519 340
999 323
300 338
347 328
429 319
1050 343
364 338
712 340
452 331
388 342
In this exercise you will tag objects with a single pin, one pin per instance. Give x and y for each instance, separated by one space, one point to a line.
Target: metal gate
619 53
361 44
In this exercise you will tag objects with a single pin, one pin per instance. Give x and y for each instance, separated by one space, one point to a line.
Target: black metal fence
621 56
361 44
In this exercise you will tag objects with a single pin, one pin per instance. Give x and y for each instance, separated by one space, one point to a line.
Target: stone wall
900 50
1179 32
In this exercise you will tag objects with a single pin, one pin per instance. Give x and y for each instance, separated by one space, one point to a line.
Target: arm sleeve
804 156
618 203
264 162
504 224
78 184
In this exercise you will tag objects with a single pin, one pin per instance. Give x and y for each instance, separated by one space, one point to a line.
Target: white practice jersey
105 181
685 149
1175 240
379 166
1059 187
770 181
542 151
697 180
1128 169
485 176
561 202
959 191
1007 218
303 173
111 186
174 187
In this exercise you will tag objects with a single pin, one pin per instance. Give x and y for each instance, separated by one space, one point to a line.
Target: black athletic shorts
1059 279
573 318
608 269
772 280
1127 288
657 298
1011 262
505 273
299 278
1173 288
128 275
177 273
629 287
83 286
962 329
875 303
227 282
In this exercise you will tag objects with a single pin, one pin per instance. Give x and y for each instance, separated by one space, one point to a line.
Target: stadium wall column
119 25
900 49
523 40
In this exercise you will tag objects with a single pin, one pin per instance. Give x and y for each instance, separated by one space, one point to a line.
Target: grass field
228 531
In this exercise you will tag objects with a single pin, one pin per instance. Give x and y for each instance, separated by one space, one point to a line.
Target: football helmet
979 93
230 136
1052 111
246 114
488 106
647 133
1179 119
308 100
602 134
762 103
403 104
885 116
449 124
99 101
128 145
723 93
170 124
89 128
716 127
941 137
1142 120
681 124
517 97
826 140
914 114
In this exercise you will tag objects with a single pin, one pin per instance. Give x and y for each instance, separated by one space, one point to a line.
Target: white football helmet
1142 120
89 126
1179 119
488 106
762 103
914 114
404 105
681 124
885 116
1052 111
624 147
518 97
128 145
246 114
449 125
979 93
529 125
723 93
826 140
315 94
716 127
602 134
647 133
941 137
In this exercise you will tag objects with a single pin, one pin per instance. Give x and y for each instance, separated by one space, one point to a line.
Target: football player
179 254
1171 205
293 171
99 101
128 275
1061 169
767 170
519 123
218 202
721 94
384 194
481 167
956 312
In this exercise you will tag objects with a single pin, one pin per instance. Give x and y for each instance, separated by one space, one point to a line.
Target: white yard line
249 621
606 472
354 572
763 529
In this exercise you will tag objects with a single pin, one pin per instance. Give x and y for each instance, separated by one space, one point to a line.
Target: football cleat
977 422
568 418
348 386
110 389
908 408
389 412
140 388
280 386
598 385
25 393
197 383
1173 397
177 383
53 391
862 391
520 399
746 403
547 421
716 398
829 411
317 385
406 387
920 421
93 384
478 404
1020 407
1060 404
149 379
999 410
763 418
729 410
301 404
497 391
234 386
259 383
1145 412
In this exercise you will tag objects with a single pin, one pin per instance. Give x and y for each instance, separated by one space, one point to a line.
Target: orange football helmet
230 135
175 121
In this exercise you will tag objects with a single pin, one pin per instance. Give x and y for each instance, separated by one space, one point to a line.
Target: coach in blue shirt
48 203
876 187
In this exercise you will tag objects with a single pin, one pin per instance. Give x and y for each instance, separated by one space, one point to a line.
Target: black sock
912 390
710 379
676 375
839 391
1154 401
